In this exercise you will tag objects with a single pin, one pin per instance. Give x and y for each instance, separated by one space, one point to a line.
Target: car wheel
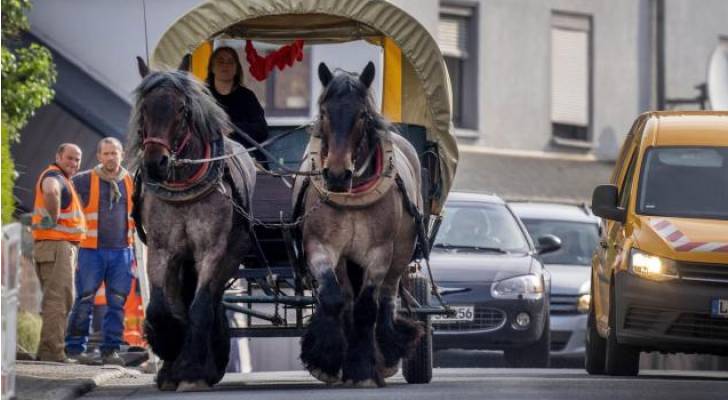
418 367
536 355
596 346
621 359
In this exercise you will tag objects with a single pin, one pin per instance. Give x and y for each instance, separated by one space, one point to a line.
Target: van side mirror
605 200
547 244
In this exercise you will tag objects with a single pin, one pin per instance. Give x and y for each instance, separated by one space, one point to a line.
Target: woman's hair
238 68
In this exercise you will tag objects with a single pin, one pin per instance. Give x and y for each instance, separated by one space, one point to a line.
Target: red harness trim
197 175
369 183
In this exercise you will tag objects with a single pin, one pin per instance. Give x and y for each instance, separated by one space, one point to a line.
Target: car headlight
652 267
521 287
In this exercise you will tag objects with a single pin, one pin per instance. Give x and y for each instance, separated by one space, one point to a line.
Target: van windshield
689 182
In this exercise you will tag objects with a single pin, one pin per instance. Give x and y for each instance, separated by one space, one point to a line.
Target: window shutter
570 76
452 32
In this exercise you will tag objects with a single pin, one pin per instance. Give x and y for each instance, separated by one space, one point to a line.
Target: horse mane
345 84
207 119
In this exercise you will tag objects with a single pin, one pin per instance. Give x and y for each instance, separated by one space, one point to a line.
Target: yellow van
659 278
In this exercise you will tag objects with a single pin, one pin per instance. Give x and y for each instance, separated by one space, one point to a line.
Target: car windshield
578 240
481 226
689 182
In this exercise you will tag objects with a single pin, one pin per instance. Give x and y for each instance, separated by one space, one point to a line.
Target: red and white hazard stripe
680 242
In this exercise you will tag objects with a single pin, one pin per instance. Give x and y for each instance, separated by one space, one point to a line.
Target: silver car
569 266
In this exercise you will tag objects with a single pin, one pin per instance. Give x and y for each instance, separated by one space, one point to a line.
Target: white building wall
515 56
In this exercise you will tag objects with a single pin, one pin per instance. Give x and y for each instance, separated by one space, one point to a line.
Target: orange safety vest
91 212
71 224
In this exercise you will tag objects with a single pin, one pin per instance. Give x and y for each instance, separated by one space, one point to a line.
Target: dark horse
358 236
196 239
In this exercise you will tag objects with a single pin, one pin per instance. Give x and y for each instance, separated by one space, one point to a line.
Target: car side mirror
605 200
547 244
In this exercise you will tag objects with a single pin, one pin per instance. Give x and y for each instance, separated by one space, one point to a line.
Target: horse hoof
367 383
168 386
324 377
196 386
389 372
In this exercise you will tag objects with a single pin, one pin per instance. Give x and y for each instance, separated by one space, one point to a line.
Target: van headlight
521 287
652 267
584 300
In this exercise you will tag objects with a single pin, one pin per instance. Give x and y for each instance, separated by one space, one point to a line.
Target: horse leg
164 331
361 356
323 343
221 329
196 367
396 336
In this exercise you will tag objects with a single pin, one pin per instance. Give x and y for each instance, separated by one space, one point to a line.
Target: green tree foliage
28 74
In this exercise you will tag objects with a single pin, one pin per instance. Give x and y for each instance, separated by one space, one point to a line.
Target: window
456 35
578 240
482 227
570 78
284 93
688 182
627 184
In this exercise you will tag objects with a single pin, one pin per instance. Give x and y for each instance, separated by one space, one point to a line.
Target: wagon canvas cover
424 79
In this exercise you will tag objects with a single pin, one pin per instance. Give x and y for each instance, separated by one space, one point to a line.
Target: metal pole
660 52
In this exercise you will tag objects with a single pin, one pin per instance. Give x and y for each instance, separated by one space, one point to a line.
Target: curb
70 389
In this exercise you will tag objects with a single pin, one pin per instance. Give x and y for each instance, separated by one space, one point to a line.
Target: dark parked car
488 270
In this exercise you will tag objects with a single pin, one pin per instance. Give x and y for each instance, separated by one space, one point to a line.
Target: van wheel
596 346
621 359
536 355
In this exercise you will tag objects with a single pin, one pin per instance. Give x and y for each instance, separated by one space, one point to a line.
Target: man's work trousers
55 261
113 268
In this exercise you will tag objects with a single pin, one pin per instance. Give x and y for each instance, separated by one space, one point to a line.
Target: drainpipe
660 53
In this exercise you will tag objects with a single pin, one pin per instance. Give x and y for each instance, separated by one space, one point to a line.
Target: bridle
176 150
173 151
364 123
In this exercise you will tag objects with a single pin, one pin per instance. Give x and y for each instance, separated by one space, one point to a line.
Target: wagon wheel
418 367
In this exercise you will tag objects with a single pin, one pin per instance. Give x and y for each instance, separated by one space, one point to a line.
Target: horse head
173 115
346 112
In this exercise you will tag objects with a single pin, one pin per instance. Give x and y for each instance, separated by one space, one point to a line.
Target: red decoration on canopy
260 67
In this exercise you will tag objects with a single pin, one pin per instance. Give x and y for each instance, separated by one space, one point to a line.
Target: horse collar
365 193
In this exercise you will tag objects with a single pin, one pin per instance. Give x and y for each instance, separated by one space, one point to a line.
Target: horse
358 235
194 230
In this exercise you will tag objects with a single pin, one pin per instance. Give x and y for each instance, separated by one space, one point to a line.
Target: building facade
541 84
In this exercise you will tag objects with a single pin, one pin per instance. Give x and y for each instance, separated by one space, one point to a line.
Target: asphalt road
447 384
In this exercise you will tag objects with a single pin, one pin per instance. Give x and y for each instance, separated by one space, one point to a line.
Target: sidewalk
45 381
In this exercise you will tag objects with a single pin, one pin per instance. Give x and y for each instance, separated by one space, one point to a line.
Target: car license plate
719 308
462 314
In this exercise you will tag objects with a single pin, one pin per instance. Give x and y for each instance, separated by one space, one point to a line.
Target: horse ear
367 76
186 62
325 76
143 69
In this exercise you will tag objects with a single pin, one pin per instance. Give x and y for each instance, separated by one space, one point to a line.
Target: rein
257 146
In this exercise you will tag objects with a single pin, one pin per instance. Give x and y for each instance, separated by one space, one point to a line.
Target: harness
203 181
214 173
364 194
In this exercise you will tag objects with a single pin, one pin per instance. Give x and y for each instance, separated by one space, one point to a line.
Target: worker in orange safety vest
106 255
